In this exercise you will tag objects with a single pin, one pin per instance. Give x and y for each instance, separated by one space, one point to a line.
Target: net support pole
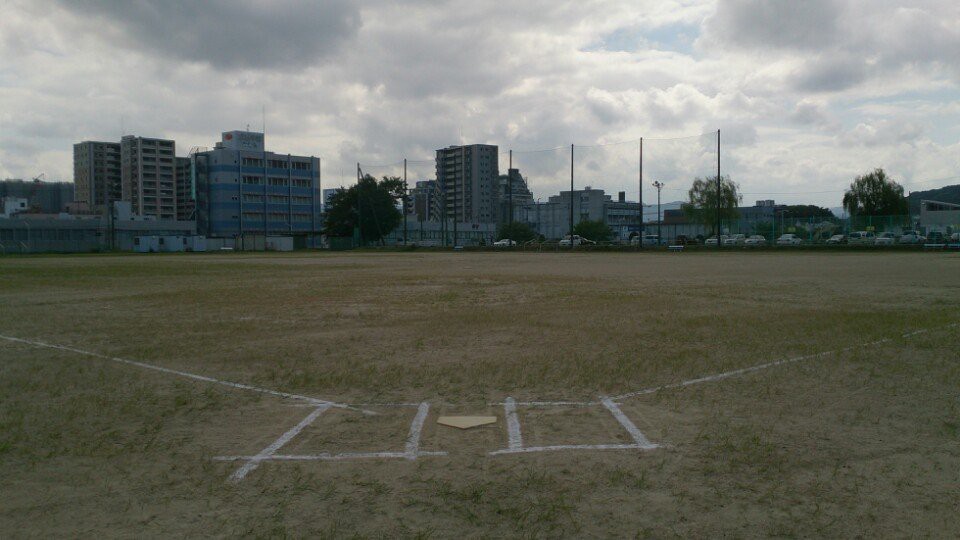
359 205
510 193
404 201
463 182
571 196
719 193
640 198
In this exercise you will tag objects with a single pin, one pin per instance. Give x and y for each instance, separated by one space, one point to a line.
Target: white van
867 238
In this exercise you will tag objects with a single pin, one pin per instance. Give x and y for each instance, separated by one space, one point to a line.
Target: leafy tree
702 205
593 230
518 232
875 194
806 211
370 205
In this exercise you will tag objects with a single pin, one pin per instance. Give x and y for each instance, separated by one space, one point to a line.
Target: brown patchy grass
860 443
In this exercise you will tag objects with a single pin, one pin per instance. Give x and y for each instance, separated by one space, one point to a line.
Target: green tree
370 205
518 232
875 194
806 211
593 230
702 205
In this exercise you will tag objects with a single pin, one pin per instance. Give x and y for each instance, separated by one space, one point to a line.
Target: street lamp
659 185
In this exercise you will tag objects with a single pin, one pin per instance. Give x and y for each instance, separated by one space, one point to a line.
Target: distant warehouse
244 191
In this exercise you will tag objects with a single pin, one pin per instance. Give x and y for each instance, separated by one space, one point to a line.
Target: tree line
369 210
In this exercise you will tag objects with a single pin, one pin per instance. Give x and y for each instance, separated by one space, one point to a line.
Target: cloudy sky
807 94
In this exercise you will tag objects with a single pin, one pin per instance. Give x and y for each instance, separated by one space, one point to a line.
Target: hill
948 194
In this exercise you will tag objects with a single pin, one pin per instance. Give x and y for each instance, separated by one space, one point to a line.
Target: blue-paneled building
242 189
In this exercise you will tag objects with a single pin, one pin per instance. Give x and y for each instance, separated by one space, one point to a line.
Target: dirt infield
861 441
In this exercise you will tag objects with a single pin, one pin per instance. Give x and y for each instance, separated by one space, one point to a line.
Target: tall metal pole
640 197
404 200
571 196
463 173
510 192
659 185
359 206
719 243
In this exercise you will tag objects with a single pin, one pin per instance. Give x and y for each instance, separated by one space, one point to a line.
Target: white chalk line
515 440
416 428
325 456
559 447
254 461
185 374
627 424
759 367
411 449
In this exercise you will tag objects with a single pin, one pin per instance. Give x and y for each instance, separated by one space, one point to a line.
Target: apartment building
513 188
149 176
186 198
242 189
468 178
96 174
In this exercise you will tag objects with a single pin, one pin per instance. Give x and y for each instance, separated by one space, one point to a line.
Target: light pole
659 185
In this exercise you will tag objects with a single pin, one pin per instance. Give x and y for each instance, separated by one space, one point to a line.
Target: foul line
741 371
204 378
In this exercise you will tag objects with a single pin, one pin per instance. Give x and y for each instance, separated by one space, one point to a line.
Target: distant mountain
947 194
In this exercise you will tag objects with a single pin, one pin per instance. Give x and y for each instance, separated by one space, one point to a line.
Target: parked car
861 238
755 240
506 242
577 241
684 240
648 240
837 239
734 240
955 237
912 237
789 239
936 237
884 239
712 241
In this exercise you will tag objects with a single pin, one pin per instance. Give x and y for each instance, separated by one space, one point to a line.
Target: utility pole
659 185
404 200
571 196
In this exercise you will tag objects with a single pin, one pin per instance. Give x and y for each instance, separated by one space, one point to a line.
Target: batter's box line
515 437
411 450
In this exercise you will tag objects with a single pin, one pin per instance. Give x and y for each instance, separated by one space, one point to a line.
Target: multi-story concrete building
186 197
43 197
512 187
467 176
96 174
149 176
552 218
425 202
242 189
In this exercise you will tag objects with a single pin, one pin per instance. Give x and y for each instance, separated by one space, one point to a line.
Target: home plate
466 422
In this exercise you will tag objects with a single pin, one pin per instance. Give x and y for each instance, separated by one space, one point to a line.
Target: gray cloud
227 34
806 93
801 24
830 72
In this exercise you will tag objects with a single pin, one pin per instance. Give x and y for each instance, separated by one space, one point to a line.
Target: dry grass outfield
862 442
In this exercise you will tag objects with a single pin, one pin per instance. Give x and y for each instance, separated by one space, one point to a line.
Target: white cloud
807 93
